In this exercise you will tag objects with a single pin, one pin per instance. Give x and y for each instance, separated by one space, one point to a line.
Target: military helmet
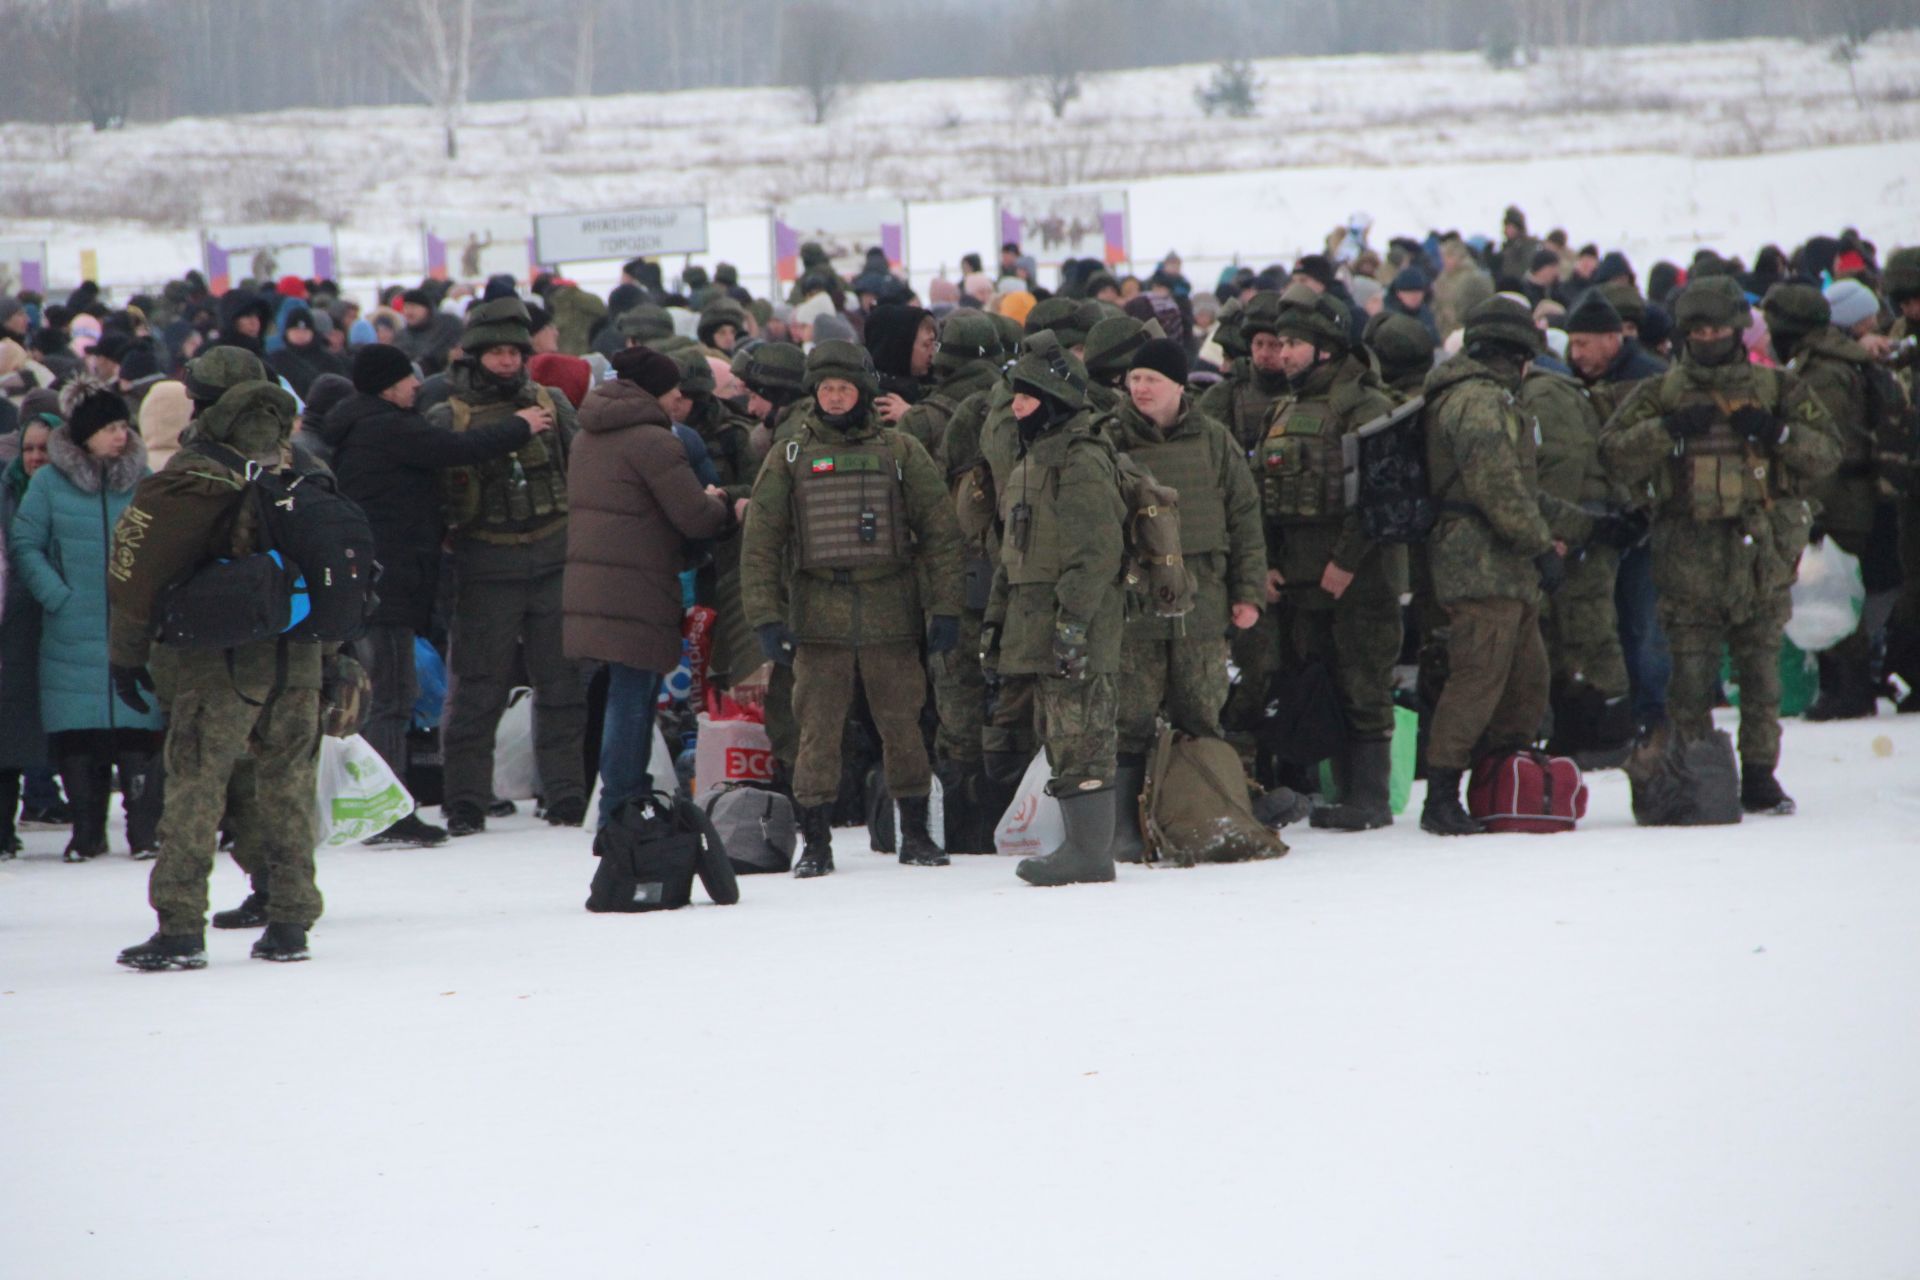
1625 299
696 375
1901 279
1085 315
1796 308
1230 332
1111 344
1260 314
503 322
966 336
1053 315
645 324
1715 302
772 367
1503 320
845 360
1011 334
1046 368
1314 317
210 375
1402 343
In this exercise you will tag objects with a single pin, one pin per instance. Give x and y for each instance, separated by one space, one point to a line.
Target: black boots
967 809
141 785
250 914
1760 792
87 783
1846 690
282 943
1085 856
1129 780
463 819
1443 814
167 951
411 832
1364 805
917 848
816 830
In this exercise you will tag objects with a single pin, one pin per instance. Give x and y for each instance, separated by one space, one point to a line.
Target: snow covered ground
1654 149
1616 1053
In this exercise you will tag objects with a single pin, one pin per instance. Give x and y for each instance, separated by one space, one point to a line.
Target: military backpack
1386 478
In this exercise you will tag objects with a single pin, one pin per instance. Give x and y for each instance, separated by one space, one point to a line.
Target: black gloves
1553 570
777 642
1620 529
1070 650
1689 421
127 684
943 633
1756 425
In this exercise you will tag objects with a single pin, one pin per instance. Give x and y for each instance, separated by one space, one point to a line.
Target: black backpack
1387 480
650 852
325 543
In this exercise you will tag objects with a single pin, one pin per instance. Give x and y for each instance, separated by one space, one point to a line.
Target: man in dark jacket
387 458
429 336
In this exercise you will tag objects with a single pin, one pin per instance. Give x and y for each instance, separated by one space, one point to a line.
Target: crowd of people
910 518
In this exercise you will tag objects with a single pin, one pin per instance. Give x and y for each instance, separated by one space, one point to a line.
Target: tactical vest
1186 465
518 498
1718 475
1300 463
1250 406
849 507
1029 519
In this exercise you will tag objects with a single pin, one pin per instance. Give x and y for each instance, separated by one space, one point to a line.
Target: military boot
1085 856
250 914
816 855
167 951
1760 792
1846 690
282 943
917 848
1443 814
1129 780
1364 805
140 784
971 814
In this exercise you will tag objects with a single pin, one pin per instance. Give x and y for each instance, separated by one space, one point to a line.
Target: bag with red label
1527 791
730 750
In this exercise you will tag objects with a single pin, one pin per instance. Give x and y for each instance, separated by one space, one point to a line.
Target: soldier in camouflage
1901 282
1728 454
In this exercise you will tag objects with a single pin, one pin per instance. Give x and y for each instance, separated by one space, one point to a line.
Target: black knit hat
1163 356
95 410
378 366
647 369
1593 314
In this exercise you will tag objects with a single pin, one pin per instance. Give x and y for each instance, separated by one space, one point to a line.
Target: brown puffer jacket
634 502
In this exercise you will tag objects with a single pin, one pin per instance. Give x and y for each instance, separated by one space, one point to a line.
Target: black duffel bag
649 853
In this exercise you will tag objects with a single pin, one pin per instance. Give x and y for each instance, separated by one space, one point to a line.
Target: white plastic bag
516 775
1827 598
356 795
1031 825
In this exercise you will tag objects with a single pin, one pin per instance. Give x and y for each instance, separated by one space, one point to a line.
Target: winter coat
23 743
429 345
634 505
301 365
388 460
61 540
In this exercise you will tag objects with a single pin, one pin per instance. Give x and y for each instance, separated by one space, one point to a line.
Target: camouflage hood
252 418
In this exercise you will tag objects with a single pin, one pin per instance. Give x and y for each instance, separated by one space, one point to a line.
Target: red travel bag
1527 791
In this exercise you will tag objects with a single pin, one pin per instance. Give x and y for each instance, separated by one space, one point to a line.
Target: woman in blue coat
60 542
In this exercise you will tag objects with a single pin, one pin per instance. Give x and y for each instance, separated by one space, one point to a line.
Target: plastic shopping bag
1827 597
1031 825
516 775
356 795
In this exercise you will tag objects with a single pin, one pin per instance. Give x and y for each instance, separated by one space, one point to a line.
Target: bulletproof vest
1185 464
1029 520
1718 475
1248 415
850 508
1300 464
517 498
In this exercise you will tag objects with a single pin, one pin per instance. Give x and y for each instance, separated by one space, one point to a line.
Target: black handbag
651 850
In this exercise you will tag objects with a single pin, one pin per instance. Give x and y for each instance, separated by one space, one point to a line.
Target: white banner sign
619 234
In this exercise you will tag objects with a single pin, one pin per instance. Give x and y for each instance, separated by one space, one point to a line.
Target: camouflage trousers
1185 679
1497 681
213 733
783 731
1581 627
1011 717
896 684
960 694
1360 639
1695 634
1076 719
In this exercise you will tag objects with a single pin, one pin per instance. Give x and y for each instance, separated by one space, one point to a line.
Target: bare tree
1057 41
88 53
818 55
438 46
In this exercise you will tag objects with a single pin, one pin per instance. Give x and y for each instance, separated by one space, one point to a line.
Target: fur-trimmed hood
86 472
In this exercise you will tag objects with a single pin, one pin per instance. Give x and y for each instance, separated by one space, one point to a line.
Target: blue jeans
1642 643
626 739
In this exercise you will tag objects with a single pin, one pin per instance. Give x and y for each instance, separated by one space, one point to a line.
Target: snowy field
1619 1053
1653 149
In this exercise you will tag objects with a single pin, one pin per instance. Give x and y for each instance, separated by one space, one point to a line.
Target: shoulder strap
461 412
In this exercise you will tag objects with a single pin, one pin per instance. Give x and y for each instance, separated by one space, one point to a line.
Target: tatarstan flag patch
821 465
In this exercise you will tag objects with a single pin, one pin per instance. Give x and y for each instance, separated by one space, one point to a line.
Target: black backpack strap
281 662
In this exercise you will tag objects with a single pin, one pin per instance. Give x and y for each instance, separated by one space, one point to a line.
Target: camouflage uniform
259 703
1901 281
1730 512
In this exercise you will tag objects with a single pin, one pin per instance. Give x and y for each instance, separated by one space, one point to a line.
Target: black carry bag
650 853
1386 481
228 603
1684 782
1304 722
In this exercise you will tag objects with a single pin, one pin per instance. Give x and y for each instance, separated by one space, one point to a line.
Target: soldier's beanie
1402 343
1795 308
647 369
1850 301
1715 302
1111 344
645 323
696 375
1544 258
772 366
1164 357
1901 279
95 406
1656 326
1410 280
1505 321
833 327
504 322
378 367
417 298
1592 313
1317 268
209 375
1625 298
848 361
324 392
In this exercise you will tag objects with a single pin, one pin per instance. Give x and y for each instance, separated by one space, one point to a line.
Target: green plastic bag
1799 678
1406 748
